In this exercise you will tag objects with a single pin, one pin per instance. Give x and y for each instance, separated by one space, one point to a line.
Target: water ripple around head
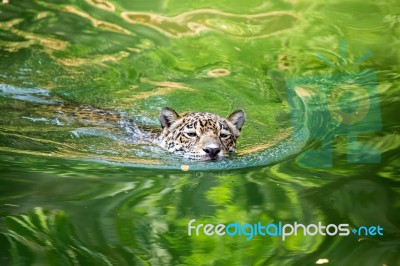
97 143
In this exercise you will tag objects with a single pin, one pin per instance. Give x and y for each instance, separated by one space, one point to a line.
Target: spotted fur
199 136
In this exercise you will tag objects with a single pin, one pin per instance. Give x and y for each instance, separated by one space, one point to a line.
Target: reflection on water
102 4
125 218
320 143
195 22
30 39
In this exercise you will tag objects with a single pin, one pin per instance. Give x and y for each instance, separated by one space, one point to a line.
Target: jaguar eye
224 136
191 134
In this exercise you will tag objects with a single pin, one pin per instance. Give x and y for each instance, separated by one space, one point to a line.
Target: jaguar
196 136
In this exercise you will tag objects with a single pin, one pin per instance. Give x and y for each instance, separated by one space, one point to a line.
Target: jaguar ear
237 119
168 117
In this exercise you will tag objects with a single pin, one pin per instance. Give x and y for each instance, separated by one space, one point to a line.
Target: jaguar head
200 136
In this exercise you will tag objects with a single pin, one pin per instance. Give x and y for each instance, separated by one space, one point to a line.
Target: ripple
32 95
100 143
197 21
50 44
218 72
99 59
96 22
162 88
102 4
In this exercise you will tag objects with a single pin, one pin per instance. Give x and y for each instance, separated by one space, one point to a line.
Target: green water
319 84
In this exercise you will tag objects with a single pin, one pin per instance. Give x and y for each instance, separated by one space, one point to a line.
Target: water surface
318 82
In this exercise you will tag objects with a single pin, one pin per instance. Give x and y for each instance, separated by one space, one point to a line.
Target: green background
75 195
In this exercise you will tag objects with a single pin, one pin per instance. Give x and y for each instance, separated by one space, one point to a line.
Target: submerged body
194 136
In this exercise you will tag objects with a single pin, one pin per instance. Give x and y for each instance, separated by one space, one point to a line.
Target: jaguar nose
212 152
